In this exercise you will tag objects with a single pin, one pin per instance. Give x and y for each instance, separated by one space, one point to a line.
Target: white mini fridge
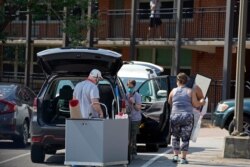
96 142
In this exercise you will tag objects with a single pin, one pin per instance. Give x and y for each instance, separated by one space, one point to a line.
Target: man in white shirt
87 93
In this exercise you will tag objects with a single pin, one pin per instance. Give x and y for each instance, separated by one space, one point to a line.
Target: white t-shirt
85 91
156 11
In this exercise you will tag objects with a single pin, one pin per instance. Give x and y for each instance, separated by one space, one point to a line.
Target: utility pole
176 57
90 34
227 59
65 37
240 71
28 46
133 30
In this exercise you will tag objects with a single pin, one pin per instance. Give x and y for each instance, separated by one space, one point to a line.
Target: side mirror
162 93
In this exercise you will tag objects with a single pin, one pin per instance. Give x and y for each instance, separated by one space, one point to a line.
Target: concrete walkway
208 151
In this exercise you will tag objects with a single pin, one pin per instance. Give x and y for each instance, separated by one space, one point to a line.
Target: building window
188 9
145 54
144 10
9 53
167 10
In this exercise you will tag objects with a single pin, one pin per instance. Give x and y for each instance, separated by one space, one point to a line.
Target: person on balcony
155 20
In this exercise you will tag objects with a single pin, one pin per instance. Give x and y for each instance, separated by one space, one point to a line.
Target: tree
77 21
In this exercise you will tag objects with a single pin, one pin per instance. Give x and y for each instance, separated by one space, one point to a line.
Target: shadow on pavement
54 160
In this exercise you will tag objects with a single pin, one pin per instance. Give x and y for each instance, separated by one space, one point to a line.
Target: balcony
199 24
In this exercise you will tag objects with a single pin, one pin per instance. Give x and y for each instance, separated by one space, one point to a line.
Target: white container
96 142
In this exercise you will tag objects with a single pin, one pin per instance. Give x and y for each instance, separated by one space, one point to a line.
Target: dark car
224 113
64 68
16 102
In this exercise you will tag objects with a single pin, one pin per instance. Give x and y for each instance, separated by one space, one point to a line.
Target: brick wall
104 4
208 64
209 3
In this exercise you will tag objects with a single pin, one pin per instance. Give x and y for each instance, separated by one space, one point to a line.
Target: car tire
152 147
22 140
37 154
246 127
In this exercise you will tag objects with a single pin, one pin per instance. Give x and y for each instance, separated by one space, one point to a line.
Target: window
167 10
22 14
8 67
144 10
9 53
188 10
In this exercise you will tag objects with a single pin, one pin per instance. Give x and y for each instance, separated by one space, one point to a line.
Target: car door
155 109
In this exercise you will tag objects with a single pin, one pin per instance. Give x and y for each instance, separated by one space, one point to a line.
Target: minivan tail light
36 139
7 107
35 105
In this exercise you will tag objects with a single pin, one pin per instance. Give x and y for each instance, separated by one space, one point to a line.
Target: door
155 110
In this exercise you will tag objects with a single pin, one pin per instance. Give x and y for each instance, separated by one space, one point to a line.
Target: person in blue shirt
134 103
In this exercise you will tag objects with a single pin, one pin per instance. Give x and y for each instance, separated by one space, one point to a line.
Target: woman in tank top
182 100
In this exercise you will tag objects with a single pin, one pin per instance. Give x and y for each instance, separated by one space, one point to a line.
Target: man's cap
96 74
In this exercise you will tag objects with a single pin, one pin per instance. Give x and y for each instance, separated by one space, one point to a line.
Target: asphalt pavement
206 152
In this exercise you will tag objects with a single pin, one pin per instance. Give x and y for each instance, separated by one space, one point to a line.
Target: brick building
203 31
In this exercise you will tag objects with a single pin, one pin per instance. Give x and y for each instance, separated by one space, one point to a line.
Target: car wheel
246 127
37 154
22 140
152 147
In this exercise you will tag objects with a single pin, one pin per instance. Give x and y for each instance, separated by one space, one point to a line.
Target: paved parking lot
207 151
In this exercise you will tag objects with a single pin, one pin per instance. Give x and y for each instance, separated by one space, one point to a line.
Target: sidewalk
208 151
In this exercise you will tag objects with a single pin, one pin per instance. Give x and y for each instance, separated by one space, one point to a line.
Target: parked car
159 70
64 68
139 71
154 129
154 88
16 102
224 113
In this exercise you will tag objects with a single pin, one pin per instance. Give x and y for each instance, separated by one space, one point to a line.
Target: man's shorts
155 21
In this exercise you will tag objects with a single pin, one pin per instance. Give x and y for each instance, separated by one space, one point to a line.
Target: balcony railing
197 24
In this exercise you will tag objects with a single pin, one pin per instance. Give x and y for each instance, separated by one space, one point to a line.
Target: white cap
96 74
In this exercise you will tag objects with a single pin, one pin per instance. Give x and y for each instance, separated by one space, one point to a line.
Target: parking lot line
13 158
152 160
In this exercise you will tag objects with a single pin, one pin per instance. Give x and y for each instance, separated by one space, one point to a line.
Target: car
159 70
154 128
16 101
139 73
224 113
64 68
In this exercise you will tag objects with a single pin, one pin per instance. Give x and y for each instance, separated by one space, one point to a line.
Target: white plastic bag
196 130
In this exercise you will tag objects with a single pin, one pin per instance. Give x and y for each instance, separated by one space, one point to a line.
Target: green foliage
76 22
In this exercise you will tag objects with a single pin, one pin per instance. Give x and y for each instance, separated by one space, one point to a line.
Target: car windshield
6 91
139 81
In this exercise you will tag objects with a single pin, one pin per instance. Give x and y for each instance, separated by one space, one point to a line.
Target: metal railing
197 24
36 79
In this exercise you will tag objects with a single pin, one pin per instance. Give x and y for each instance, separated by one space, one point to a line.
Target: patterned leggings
181 128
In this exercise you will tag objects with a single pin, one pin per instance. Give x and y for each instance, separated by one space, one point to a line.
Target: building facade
202 37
